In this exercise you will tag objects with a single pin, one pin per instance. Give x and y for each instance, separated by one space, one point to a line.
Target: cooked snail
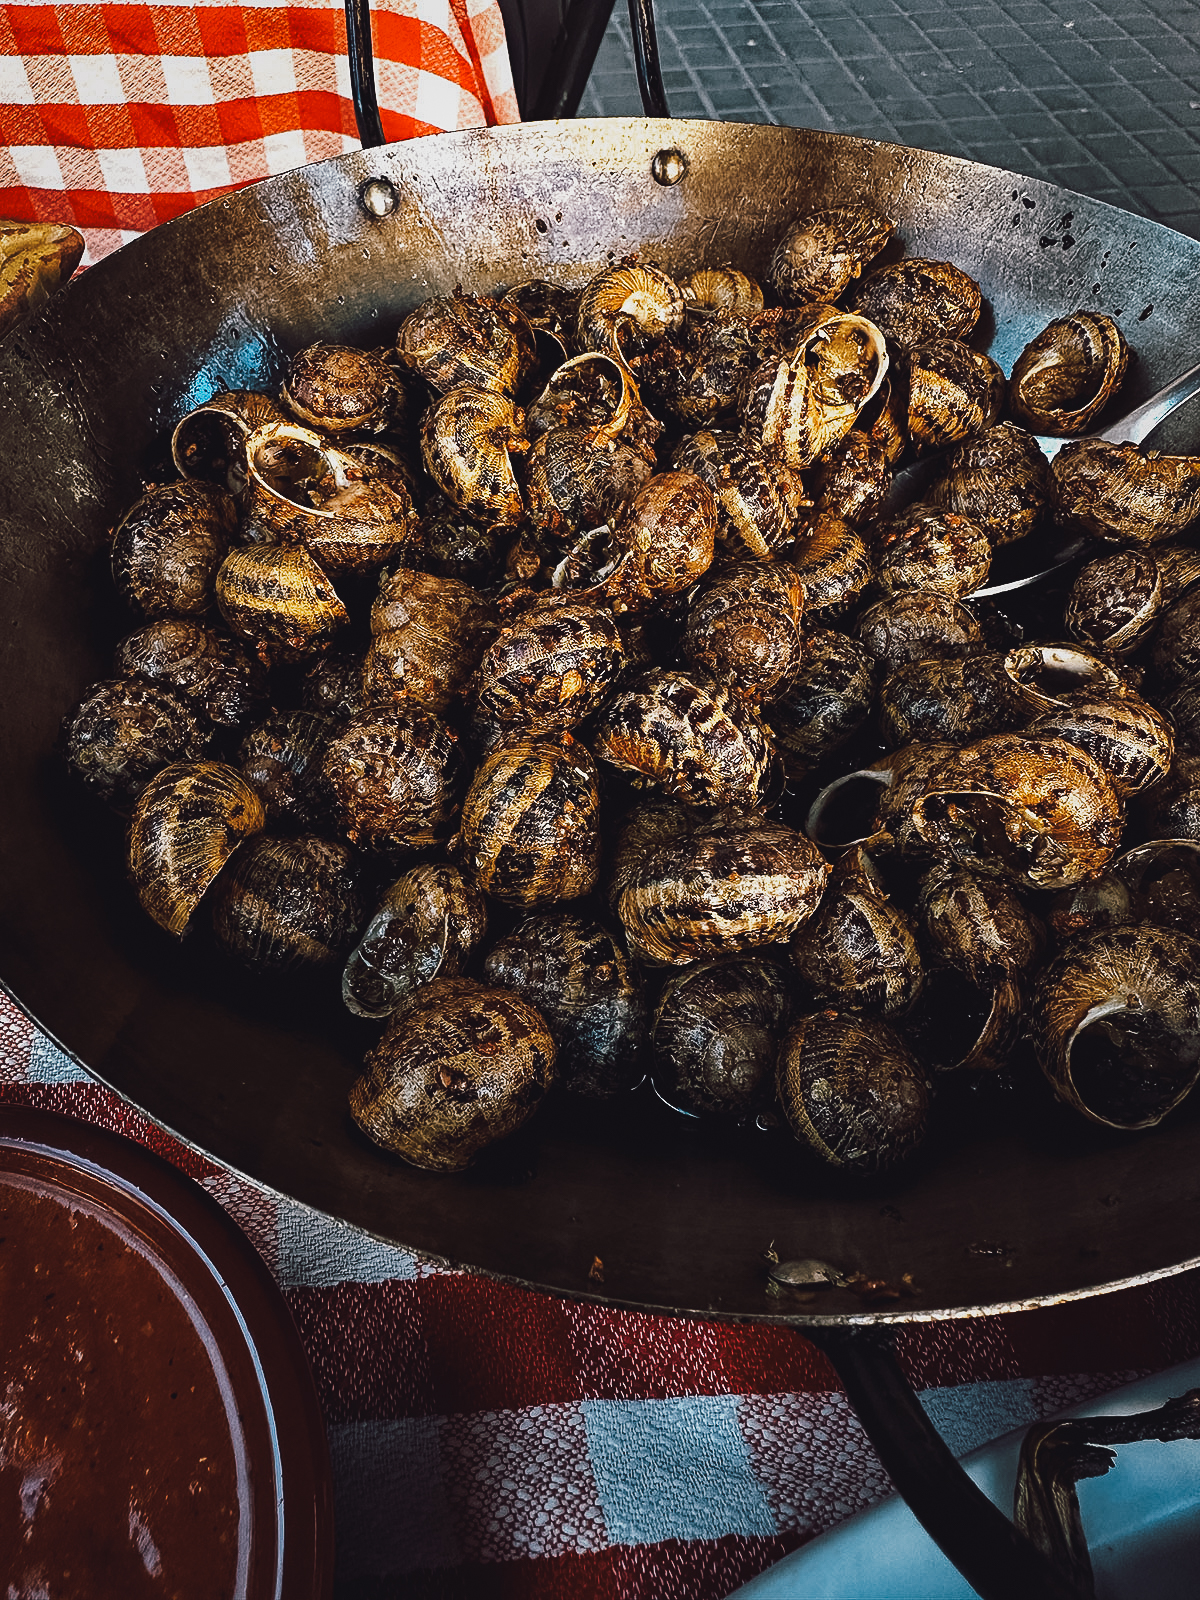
188 821
168 547
468 339
530 825
851 1091
1116 1024
820 254
716 1034
461 1065
744 628
720 890
426 926
695 740
125 730
288 903
339 390
1068 373
916 300
581 982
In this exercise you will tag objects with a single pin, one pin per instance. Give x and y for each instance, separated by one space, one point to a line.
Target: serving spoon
1133 428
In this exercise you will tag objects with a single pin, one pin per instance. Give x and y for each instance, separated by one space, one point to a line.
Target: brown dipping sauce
122 1462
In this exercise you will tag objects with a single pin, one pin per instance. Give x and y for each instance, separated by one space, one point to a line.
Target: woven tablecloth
115 117
491 1442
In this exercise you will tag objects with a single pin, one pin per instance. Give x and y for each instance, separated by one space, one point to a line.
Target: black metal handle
362 73
645 58
992 1554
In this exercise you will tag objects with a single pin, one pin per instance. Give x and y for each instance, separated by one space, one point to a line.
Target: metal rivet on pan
669 166
378 197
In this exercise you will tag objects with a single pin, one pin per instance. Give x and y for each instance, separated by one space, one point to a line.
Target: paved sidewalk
1105 104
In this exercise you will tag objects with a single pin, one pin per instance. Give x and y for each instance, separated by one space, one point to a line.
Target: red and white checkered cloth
489 1443
115 117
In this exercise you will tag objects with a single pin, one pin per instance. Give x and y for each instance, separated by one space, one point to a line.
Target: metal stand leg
992 1554
362 73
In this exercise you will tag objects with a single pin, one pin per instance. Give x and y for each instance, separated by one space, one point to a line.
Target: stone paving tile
1099 97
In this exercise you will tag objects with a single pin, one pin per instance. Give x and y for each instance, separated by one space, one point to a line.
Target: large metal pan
258 1076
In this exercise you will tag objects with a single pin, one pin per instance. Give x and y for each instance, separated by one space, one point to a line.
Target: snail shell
721 891
1115 1020
1038 807
757 498
332 684
426 926
664 542
468 440
977 922
427 637
644 828
1068 373
1182 711
1171 810
1000 479
834 566
853 479
699 381
279 600
953 700
530 822
210 670
462 1065
598 393
1175 646
1162 877
821 253
716 1034
1051 676
852 1091
953 391
572 480
168 546
800 406
1124 492
576 975
188 821
350 514
394 774
1132 741
125 730
282 760
744 628
1116 600
724 290
958 1025
210 442
916 300
468 339
858 949
827 701
549 668
695 740
628 308
288 903
918 625
339 389
927 548
450 545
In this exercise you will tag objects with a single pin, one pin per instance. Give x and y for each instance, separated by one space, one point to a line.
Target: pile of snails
566 683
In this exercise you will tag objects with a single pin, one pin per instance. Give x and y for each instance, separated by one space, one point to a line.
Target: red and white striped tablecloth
115 117
489 1443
